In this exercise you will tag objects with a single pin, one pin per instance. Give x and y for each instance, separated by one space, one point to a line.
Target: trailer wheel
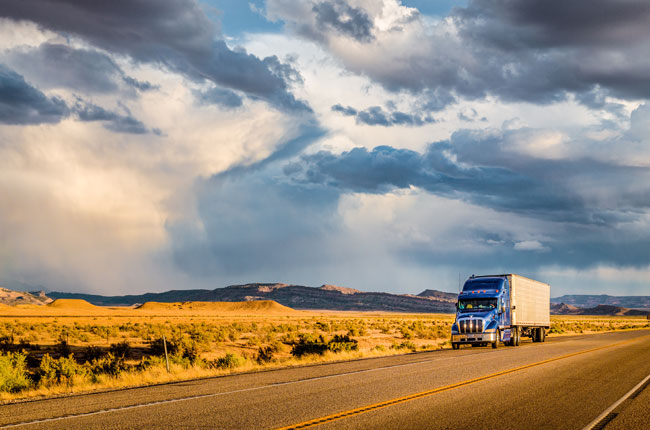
495 344
454 345
542 334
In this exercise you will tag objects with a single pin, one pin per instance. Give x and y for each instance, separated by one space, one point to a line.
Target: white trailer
530 306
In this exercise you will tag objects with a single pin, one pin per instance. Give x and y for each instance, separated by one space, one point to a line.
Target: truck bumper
474 337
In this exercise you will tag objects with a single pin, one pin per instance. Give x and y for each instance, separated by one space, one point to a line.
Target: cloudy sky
383 145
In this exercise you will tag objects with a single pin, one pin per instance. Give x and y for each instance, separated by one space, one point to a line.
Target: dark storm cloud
344 19
385 168
539 23
375 115
345 110
483 173
534 51
174 33
219 96
57 65
561 46
21 103
139 85
113 121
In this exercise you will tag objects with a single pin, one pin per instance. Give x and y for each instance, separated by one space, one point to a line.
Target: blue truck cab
486 314
482 312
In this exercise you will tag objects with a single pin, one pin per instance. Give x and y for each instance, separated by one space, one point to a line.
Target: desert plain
71 346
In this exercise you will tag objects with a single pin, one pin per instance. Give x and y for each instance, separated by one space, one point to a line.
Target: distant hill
328 297
564 309
440 295
265 307
11 297
343 290
593 300
73 304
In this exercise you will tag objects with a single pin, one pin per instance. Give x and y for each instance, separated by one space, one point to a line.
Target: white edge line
615 405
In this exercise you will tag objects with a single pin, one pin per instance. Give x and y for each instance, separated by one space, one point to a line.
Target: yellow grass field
122 346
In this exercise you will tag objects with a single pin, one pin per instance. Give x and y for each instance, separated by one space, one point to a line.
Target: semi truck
501 308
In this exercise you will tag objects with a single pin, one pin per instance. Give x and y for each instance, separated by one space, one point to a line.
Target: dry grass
234 329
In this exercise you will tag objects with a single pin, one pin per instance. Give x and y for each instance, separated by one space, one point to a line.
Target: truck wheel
536 335
454 345
517 338
495 344
542 334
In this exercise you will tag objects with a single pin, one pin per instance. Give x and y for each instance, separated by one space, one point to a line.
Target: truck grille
471 326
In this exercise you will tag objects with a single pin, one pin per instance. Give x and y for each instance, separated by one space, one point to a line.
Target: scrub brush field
71 345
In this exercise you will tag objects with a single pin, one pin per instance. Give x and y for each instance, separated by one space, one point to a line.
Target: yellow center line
362 410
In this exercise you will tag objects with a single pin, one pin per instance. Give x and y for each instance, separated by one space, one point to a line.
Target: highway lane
568 392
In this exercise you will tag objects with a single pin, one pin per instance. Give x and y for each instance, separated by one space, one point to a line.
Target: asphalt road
564 383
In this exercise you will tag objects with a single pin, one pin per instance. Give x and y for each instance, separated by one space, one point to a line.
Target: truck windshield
477 305
483 284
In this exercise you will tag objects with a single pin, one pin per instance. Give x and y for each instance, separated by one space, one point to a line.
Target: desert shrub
381 348
156 347
13 372
233 335
265 354
405 345
61 370
288 338
341 343
121 349
308 344
253 341
150 361
383 328
322 326
229 361
201 337
92 352
109 364
356 328
181 349
6 342
191 352
406 333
